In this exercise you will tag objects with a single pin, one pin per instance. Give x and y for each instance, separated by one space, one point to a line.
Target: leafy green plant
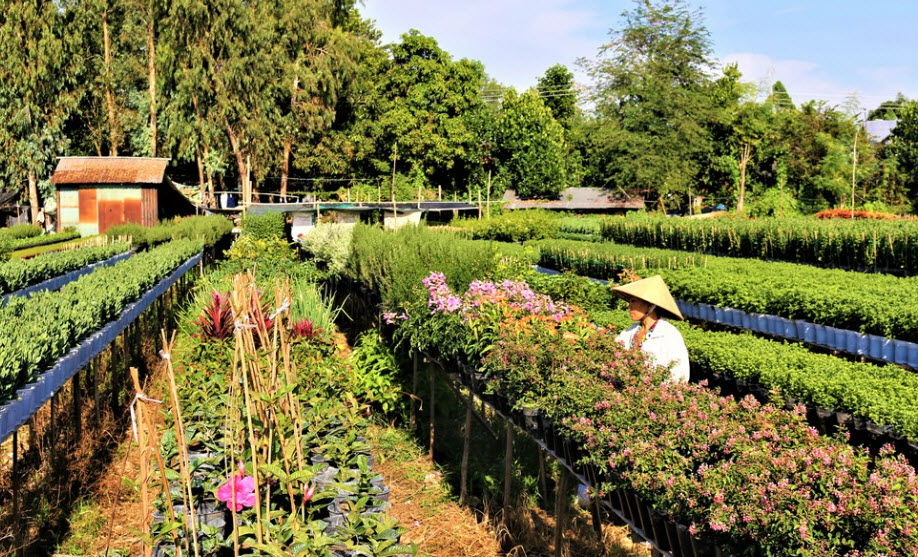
512 226
30 344
376 373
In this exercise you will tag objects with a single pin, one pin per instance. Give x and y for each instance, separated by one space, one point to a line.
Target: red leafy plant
305 329
216 321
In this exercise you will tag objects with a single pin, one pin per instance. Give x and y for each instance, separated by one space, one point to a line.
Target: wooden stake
187 496
464 473
433 408
543 481
560 508
414 390
141 433
508 468
77 414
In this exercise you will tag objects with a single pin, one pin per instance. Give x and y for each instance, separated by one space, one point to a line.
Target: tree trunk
662 204
744 160
201 186
109 96
151 68
240 159
33 196
285 167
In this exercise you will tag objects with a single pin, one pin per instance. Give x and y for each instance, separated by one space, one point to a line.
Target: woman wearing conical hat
650 304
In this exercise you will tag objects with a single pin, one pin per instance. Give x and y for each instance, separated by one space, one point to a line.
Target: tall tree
652 80
557 90
315 55
903 146
38 69
419 103
530 146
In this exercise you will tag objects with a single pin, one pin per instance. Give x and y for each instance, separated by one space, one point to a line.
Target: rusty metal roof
575 199
109 170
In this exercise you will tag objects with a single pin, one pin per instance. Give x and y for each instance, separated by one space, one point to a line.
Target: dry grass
422 503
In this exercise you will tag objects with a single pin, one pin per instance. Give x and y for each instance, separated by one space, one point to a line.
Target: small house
95 193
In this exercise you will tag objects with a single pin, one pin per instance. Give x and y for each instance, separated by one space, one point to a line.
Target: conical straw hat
653 291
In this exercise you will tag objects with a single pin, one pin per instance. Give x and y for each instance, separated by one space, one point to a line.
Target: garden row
36 331
24 236
269 435
17 274
741 474
875 304
859 245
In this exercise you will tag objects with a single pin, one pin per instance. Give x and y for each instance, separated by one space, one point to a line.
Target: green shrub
210 229
20 273
269 226
249 248
20 231
330 244
512 226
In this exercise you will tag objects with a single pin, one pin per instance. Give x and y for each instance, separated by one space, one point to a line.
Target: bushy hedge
210 229
511 226
35 331
866 302
20 273
20 231
393 263
269 226
866 245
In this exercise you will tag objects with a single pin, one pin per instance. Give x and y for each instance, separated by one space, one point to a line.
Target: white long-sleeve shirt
664 346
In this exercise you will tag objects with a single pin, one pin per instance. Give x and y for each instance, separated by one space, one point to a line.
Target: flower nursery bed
867 303
263 443
742 476
17 274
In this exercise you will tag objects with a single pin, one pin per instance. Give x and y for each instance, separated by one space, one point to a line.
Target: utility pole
854 169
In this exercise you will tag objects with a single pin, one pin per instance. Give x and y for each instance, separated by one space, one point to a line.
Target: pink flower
307 495
238 491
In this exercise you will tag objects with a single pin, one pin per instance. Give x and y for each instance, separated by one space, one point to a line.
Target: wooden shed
95 193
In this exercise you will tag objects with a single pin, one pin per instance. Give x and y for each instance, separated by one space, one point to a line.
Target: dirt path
422 503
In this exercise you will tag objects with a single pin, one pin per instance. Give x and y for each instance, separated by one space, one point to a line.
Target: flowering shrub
738 471
846 214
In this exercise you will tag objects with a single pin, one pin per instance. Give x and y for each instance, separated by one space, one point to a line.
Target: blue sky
823 49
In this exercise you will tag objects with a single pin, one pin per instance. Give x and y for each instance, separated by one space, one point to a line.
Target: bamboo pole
142 436
187 496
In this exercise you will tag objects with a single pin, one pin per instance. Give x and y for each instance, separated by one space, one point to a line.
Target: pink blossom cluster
732 469
515 294
391 318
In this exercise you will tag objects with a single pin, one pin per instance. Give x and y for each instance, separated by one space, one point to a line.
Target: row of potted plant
868 303
860 244
16 274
